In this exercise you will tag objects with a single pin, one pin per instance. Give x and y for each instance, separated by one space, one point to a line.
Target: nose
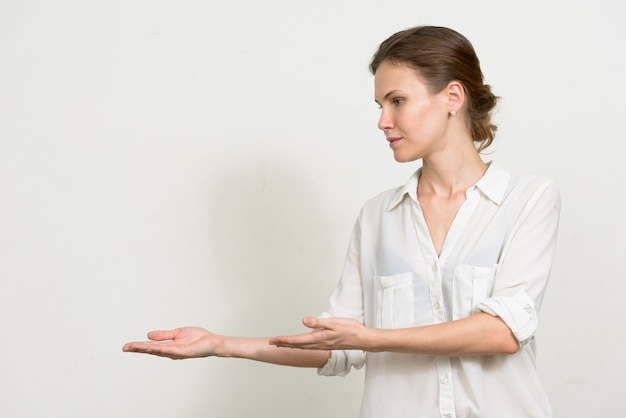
385 121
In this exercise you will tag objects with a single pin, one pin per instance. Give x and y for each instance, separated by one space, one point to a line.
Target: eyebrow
387 95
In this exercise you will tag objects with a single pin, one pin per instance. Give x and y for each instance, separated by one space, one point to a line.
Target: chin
405 158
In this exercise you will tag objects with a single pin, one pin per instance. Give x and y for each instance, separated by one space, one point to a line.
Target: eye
398 101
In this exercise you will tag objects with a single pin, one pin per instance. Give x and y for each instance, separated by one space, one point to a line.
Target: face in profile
414 120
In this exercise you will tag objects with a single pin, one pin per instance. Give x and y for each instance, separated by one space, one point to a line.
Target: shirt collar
409 188
492 184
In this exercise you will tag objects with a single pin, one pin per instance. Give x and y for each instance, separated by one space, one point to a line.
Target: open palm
180 343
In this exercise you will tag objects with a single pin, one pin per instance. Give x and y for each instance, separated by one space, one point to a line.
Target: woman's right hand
180 343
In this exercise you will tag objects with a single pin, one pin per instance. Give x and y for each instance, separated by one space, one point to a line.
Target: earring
453 113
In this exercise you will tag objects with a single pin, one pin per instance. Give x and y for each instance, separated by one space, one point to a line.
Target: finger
296 340
136 347
314 323
304 346
163 335
152 348
279 341
127 347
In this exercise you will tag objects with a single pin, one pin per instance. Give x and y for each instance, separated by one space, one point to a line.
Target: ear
455 94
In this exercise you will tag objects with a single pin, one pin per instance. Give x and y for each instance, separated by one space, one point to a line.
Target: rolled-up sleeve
341 362
517 311
347 302
525 264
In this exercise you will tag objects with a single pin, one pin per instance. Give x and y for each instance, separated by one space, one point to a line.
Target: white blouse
496 259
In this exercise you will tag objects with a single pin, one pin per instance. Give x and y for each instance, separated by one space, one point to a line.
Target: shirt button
437 304
444 380
435 267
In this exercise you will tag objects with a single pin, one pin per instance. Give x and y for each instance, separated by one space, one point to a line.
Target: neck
448 174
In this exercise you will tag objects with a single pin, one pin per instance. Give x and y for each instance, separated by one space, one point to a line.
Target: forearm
195 342
479 334
259 349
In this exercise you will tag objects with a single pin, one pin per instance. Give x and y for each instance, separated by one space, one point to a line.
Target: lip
393 141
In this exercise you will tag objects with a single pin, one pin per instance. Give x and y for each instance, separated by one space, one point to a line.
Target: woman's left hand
327 334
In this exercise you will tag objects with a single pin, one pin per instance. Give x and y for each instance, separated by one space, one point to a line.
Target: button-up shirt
496 258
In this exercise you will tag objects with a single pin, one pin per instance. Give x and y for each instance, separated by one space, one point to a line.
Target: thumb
162 335
310 322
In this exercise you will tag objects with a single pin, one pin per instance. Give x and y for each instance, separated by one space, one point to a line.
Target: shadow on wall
271 244
274 262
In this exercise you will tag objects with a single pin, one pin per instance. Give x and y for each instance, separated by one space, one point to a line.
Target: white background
202 163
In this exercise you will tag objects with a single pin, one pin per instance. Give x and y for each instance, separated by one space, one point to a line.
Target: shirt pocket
395 306
471 285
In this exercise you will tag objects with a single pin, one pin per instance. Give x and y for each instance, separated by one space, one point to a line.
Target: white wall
202 163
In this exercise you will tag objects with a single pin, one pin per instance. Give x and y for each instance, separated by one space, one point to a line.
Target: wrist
371 339
223 346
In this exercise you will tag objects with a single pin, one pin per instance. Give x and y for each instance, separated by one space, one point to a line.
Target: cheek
425 120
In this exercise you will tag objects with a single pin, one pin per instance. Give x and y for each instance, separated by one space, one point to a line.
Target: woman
445 275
